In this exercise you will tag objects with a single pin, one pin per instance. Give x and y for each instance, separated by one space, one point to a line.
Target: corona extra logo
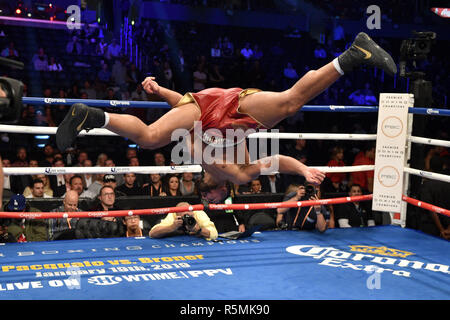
54 100
119 103
383 251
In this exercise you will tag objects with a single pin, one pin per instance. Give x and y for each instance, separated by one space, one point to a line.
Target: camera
283 225
188 221
309 191
415 49
11 105
418 47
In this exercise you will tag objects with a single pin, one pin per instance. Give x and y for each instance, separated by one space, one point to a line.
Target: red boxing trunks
220 108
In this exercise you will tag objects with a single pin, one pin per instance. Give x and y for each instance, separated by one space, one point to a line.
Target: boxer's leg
151 136
157 134
269 108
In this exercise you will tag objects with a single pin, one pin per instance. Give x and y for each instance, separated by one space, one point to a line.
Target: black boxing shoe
365 51
79 117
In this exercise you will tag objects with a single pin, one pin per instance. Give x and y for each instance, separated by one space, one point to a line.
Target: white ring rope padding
428 174
147 170
345 168
52 130
100 170
262 135
433 142
189 168
312 136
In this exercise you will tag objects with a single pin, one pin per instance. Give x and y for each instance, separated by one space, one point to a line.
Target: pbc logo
113 169
48 170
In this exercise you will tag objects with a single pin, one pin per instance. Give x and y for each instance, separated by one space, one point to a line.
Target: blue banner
360 263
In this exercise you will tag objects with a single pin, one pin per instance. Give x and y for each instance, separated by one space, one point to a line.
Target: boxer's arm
170 96
244 173
289 165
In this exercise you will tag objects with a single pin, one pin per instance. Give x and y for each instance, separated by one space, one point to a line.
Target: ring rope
147 170
153 104
197 207
191 168
155 211
51 130
101 170
262 135
37 101
426 206
427 174
433 142
312 136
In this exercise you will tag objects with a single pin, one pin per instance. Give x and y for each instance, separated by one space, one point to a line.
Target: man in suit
274 183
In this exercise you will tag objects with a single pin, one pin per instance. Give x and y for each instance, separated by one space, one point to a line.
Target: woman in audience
172 186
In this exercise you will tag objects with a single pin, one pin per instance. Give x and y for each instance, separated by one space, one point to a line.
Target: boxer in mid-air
224 109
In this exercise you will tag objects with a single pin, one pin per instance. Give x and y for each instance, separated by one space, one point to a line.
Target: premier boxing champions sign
390 151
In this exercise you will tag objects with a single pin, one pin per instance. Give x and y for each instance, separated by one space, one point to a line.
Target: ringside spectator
173 224
64 228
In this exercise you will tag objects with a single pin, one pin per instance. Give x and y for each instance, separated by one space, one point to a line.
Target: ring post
388 181
400 218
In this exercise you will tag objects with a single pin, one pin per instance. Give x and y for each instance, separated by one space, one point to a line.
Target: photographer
303 218
196 223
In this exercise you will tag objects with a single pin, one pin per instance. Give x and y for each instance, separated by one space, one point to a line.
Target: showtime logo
104 280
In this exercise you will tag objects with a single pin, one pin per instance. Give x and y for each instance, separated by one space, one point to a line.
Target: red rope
197 207
123 213
292 204
426 206
97 214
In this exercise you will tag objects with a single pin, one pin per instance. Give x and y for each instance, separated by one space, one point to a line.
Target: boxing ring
383 262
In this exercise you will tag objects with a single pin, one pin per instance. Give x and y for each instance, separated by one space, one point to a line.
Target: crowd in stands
190 57
102 190
230 6
391 11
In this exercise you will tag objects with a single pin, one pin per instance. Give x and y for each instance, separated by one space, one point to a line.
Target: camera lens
309 191
189 221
